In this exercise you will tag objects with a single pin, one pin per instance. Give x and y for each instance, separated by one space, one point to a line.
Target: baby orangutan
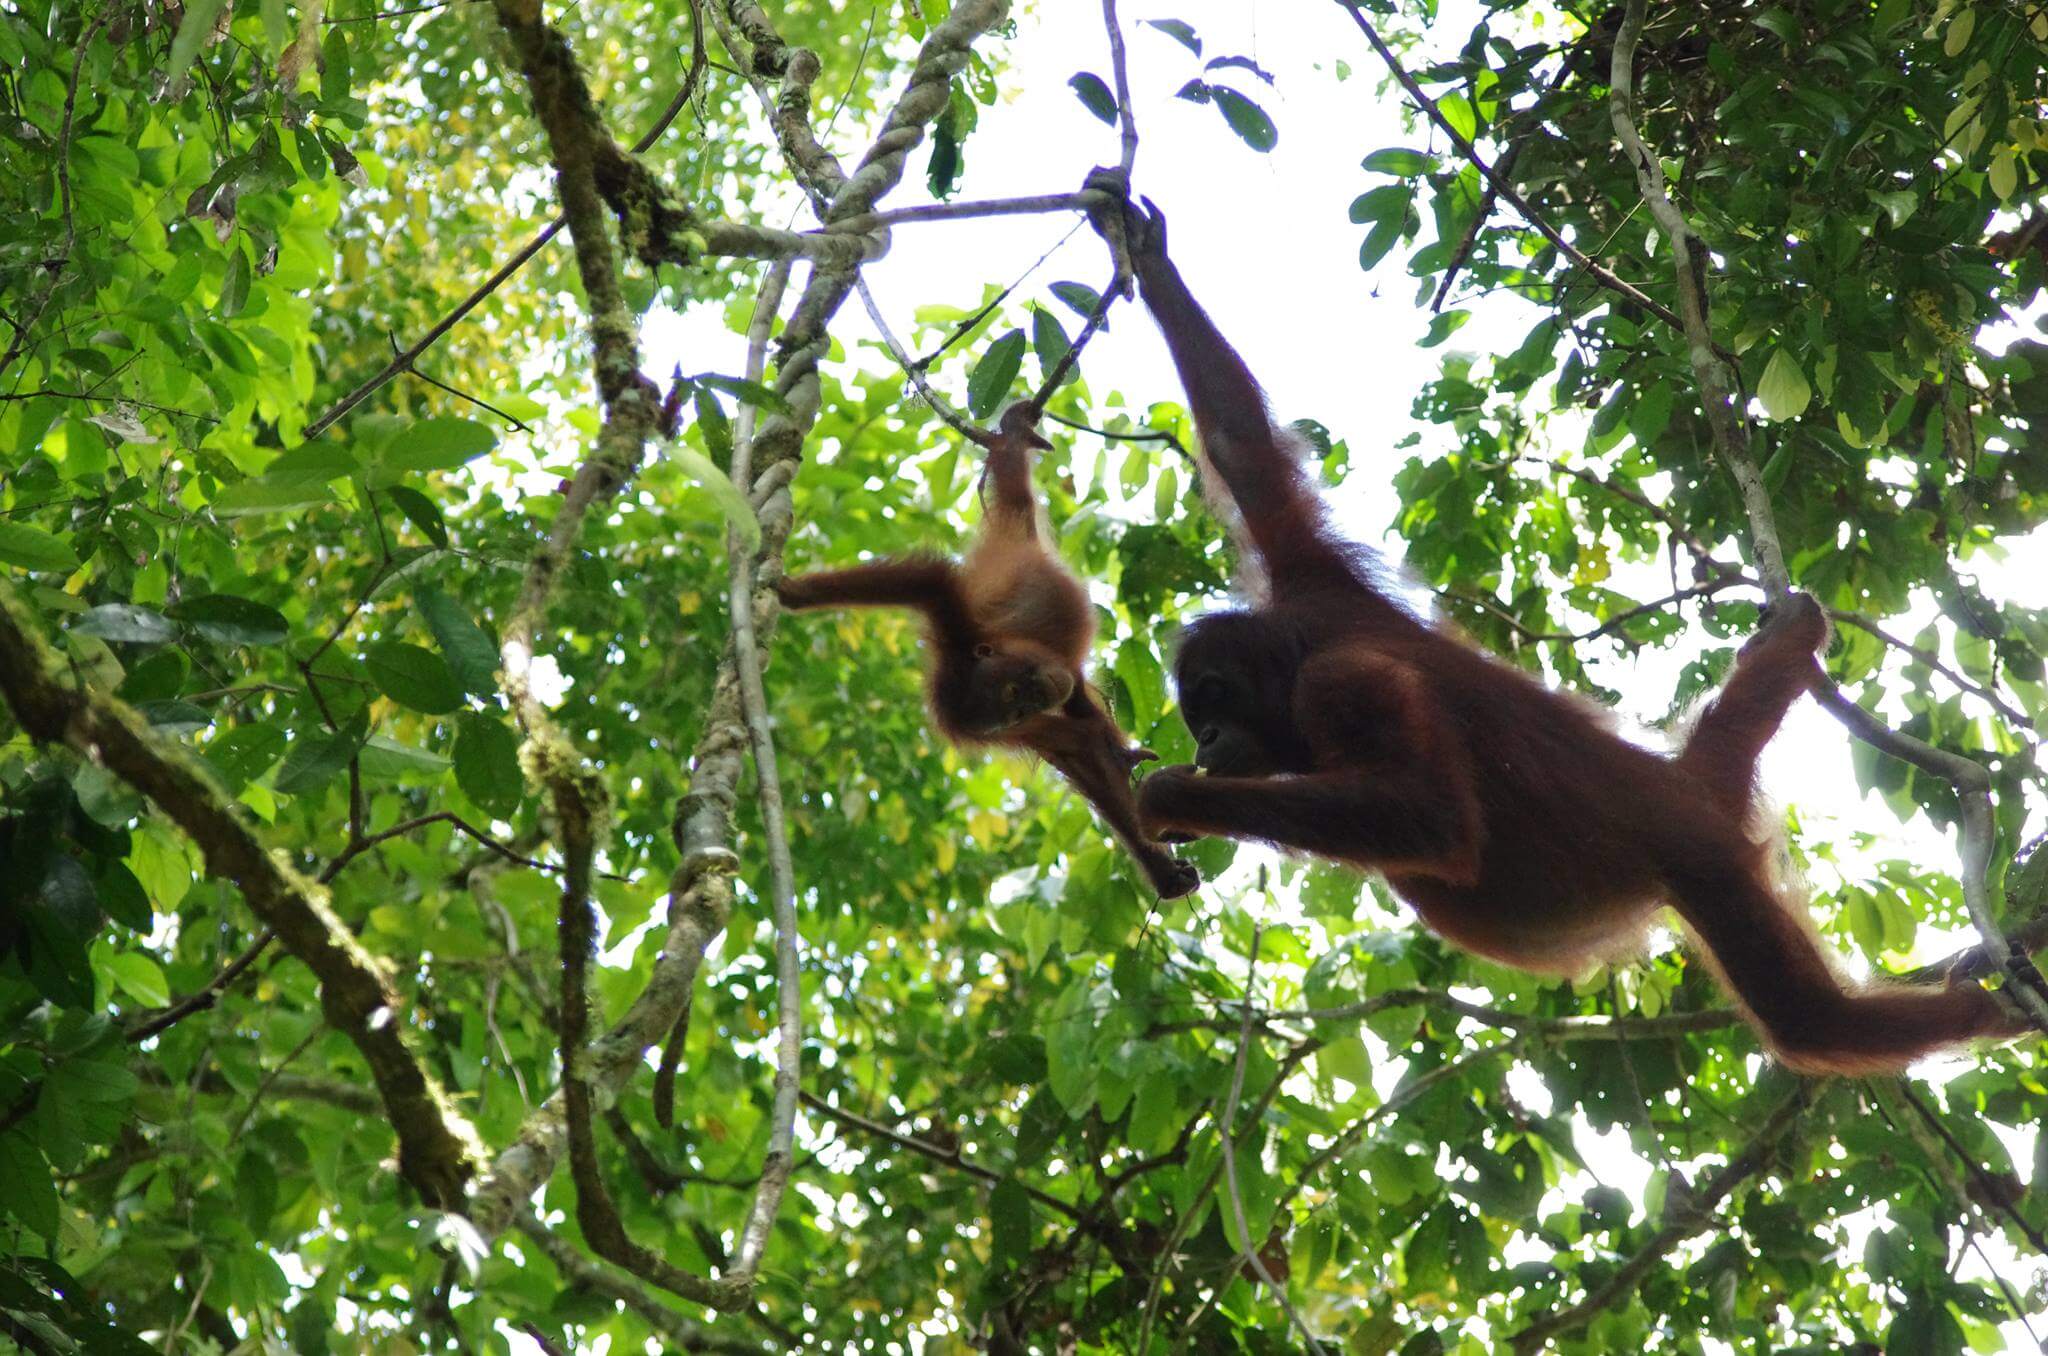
1008 630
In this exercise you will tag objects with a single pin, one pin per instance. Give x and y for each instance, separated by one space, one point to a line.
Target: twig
775 1165
924 1149
270 1077
1717 1188
1232 1194
581 1271
1976 1170
362 845
1614 623
206 996
512 419
1506 191
1685 535
1934 662
940 406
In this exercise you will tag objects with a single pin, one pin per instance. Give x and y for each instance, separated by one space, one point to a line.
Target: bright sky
1265 243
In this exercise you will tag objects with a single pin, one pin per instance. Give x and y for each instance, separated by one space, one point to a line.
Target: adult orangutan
1330 719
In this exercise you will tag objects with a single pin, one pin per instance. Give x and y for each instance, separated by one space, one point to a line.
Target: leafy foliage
220 218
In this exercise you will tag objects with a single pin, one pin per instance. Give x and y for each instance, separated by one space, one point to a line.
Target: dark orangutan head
1236 674
998 684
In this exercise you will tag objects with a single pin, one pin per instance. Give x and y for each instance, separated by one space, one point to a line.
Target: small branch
1685 535
1934 662
776 1164
1246 1250
580 1271
866 223
362 845
940 406
158 1023
1614 623
1725 421
440 385
1989 1188
1127 121
946 1157
1737 1170
1503 189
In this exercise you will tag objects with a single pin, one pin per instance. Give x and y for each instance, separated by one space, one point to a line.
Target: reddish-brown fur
1331 720
1008 633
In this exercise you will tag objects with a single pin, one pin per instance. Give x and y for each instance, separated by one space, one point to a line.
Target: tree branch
581 1271
436 1146
700 891
780 1156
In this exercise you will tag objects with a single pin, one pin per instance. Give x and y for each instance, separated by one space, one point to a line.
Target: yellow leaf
1959 33
1784 390
2005 173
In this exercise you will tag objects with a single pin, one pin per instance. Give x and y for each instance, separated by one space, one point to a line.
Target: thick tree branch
1753 1159
436 1146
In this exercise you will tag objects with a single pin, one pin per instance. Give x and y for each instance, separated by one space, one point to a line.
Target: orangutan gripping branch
1009 630
1331 720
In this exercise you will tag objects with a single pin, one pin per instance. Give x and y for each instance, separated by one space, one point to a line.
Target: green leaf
993 374
1398 160
226 619
1009 1217
1181 32
2005 173
1095 96
1077 297
122 896
1443 325
256 1190
270 496
234 287
487 764
437 445
412 676
244 753
723 492
1050 343
1382 203
750 392
1783 389
1246 119
315 757
421 513
125 622
717 429
139 977
385 757
471 654
28 1191
34 549
193 31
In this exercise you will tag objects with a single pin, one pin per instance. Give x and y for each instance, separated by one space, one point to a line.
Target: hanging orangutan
1331 719
1008 632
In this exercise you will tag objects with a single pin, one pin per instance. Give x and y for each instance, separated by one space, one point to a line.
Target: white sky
1265 244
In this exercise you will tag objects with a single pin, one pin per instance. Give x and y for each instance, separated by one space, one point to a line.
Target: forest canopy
445 905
